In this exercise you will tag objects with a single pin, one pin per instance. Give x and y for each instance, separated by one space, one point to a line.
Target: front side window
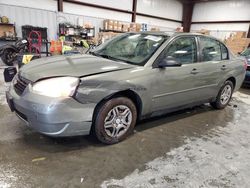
133 48
210 49
183 50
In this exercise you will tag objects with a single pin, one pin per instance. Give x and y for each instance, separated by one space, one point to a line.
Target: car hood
77 65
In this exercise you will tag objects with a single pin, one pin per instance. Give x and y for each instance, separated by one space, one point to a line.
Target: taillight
245 64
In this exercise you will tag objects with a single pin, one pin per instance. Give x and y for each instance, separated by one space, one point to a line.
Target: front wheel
8 56
224 96
115 120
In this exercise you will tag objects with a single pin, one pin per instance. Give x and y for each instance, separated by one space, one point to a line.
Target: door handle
194 71
223 67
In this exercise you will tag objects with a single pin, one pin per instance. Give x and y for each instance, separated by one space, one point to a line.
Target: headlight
56 87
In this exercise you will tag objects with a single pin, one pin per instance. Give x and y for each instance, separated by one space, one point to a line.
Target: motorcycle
8 52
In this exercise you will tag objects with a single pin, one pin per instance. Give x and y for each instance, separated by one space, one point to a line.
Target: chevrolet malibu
129 78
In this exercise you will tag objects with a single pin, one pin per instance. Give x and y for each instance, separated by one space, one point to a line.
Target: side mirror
169 62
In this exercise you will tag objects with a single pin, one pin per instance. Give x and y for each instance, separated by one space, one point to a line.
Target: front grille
20 84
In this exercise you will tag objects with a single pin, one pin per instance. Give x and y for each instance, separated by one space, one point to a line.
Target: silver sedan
129 78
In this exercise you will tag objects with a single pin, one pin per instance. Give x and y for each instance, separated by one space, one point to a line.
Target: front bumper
51 116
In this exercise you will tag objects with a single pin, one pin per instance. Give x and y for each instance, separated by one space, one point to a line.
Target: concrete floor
198 147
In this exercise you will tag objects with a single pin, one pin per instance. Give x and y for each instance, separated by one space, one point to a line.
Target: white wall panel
120 4
220 31
163 8
232 10
44 13
222 11
39 4
222 27
163 25
95 12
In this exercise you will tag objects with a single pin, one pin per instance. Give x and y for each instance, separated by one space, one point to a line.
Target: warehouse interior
220 19
193 147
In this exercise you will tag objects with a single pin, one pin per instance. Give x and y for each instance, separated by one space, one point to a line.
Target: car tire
115 120
224 96
7 57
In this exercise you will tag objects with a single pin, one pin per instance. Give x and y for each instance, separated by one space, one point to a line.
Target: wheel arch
132 95
233 80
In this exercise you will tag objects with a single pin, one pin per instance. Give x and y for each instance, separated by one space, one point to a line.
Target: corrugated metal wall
51 18
233 10
29 16
43 18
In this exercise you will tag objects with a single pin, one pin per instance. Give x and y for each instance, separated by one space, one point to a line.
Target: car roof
193 34
174 34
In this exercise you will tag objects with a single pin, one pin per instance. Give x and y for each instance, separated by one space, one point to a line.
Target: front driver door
176 86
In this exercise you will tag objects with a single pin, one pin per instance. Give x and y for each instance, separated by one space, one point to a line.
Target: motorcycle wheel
8 57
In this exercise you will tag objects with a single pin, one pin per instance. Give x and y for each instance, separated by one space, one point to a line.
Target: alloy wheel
118 121
226 94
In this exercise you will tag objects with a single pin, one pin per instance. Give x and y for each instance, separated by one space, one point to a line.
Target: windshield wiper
104 56
110 57
93 53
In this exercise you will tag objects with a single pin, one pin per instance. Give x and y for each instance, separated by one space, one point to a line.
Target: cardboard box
103 36
115 23
119 28
107 24
125 27
132 29
6 29
119 24
110 27
88 25
240 34
204 32
155 29
138 27
236 42
133 25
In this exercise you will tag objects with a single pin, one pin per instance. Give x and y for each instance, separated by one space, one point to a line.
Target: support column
187 16
248 34
134 8
60 5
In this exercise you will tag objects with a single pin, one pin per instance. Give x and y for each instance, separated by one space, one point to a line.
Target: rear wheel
224 96
8 56
115 120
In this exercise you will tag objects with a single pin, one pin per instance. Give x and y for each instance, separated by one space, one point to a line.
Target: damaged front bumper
57 117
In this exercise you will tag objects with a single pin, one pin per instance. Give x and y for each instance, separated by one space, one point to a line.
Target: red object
56 46
245 65
35 42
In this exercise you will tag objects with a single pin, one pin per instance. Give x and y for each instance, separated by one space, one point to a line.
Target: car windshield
246 52
132 48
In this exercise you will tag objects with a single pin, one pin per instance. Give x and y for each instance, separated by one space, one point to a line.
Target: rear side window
183 50
210 49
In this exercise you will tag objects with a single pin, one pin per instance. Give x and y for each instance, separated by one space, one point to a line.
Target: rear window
210 49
